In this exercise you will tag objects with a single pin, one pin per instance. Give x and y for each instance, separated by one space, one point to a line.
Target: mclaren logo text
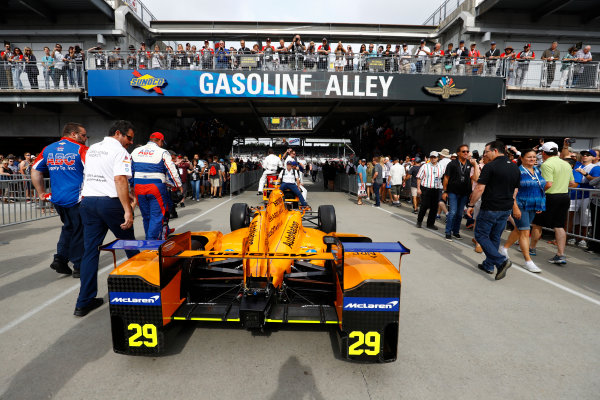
135 299
371 304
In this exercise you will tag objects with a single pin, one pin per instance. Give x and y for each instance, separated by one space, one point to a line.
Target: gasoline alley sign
289 84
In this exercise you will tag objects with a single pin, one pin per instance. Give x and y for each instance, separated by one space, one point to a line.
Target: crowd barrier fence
20 202
241 181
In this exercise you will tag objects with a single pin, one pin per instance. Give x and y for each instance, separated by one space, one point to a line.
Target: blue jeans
70 242
294 188
488 231
456 206
99 214
196 189
376 187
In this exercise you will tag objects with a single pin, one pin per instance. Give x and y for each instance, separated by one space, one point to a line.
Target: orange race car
271 269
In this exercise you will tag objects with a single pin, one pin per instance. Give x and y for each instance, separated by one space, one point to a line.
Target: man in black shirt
412 175
492 56
497 186
458 178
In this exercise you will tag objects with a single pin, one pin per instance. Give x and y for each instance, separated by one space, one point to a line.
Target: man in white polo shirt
106 205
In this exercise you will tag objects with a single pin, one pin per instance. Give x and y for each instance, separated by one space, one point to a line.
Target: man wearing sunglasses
107 204
458 183
64 161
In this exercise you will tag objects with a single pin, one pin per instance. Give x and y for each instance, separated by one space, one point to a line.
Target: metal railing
549 74
240 181
443 11
42 75
583 215
20 203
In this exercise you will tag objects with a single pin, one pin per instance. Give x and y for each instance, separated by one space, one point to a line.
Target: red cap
157 135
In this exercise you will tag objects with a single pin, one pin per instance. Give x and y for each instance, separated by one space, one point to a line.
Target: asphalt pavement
462 334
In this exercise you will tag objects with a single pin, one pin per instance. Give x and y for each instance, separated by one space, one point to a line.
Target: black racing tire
326 219
239 216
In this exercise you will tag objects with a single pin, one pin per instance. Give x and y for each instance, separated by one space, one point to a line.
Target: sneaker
438 216
419 225
76 274
560 260
415 212
469 226
531 267
582 243
457 236
487 271
448 237
502 269
572 242
532 252
502 250
432 227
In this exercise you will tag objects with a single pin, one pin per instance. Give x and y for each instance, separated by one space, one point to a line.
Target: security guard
106 204
151 165
64 161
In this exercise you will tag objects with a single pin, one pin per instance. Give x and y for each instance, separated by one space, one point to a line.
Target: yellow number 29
370 339
148 331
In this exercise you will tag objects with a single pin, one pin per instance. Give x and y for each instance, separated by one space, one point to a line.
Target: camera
476 154
571 141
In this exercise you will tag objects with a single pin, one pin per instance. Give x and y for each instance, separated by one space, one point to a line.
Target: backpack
212 171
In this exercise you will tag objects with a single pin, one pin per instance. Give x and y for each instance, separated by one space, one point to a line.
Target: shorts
338 63
215 182
557 208
524 224
581 208
396 190
413 191
369 184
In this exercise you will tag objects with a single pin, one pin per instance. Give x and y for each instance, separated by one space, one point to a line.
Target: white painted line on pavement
521 269
73 288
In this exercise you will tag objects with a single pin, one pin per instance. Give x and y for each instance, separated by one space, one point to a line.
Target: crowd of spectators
555 192
575 69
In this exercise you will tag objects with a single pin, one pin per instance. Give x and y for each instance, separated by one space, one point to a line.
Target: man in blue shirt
361 176
64 161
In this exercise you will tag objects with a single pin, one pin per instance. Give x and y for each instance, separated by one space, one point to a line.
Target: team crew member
106 205
429 187
290 180
497 187
151 164
270 165
64 161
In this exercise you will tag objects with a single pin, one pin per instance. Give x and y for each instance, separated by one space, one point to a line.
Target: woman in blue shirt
531 199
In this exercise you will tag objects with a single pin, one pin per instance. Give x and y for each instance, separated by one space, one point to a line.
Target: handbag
362 190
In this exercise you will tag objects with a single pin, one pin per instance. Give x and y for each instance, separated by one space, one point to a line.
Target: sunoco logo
371 304
147 82
135 299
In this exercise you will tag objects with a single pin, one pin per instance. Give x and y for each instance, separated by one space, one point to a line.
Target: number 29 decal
368 343
147 331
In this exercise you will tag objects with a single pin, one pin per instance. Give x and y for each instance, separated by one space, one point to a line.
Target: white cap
549 147
433 154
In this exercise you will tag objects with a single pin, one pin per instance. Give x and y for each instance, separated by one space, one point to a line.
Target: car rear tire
326 219
239 217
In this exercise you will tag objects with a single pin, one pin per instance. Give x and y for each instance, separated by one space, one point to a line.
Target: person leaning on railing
31 68
115 59
59 67
47 67
17 67
99 57
79 59
131 58
6 81
566 68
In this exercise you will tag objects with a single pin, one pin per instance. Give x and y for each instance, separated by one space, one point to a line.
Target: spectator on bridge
310 58
143 57
388 55
437 58
474 67
462 54
422 52
106 204
449 58
207 53
497 187
429 187
157 58
5 69
115 59
508 65
349 59
98 56
566 68
70 66
523 60
559 176
268 52
31 68
459 176
131 58
585 74
180 57
170 62
340 53
492 56
47 67
189 56
222 56
66 186
17 66
530 200
283 54
550 56
323 51
397 173
79 59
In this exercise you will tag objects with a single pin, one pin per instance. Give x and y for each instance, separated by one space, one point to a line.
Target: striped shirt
531 196
431 176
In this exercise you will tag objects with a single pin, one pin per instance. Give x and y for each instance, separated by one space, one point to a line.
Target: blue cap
221 160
